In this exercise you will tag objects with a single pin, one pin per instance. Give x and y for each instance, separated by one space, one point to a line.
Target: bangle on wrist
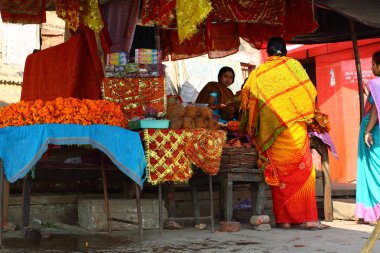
366 132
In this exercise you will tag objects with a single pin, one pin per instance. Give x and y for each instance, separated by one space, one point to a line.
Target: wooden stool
196 217
226 179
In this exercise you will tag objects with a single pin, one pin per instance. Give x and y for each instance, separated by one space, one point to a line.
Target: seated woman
219 97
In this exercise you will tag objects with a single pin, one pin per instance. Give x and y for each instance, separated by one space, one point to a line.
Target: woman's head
276 46
226 76
376 63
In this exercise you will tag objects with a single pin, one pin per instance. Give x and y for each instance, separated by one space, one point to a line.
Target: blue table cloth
22 147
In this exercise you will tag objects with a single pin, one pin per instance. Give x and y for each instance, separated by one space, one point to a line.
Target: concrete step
344 209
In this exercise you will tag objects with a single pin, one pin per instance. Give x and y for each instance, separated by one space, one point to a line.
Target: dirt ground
343 236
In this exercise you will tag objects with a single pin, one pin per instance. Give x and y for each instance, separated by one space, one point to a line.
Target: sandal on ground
372 223
319 226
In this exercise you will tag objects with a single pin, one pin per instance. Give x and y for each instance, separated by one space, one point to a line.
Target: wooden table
248 173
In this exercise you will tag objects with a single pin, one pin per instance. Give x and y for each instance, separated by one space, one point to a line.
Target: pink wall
338 97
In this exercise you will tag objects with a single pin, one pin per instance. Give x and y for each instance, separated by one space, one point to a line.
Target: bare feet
284 225
315 225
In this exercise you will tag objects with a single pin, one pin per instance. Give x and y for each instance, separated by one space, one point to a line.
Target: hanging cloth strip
204 148
69 12
165 155
169 153
23 11
189 15
270 12
158 12
73 13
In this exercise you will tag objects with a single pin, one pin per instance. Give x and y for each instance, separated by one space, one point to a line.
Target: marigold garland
62 111
233 125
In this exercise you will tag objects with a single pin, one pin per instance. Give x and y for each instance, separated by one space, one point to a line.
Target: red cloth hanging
271 12
195 46
159 12
222 39
71 69
255 21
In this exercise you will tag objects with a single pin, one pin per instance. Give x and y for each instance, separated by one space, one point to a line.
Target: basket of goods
241 157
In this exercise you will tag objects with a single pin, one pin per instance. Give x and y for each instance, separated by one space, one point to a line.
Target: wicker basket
238 157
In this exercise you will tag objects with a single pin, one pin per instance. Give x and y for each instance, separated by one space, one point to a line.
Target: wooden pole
139 214
5 202
100 49
372 239
105 193
358 69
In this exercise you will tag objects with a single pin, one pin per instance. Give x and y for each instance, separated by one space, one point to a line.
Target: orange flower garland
233 125
62 111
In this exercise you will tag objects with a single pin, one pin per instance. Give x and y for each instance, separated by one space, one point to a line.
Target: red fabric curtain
222 39
189 48
255 21
71 69
271 12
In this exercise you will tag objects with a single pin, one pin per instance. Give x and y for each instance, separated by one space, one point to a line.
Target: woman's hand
368 139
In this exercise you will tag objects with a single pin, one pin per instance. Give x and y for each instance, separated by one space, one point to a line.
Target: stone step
344 209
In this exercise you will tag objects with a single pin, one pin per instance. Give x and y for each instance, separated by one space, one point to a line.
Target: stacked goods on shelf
147 63
147 56
190 116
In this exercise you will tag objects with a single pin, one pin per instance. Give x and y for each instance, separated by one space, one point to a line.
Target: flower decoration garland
62 111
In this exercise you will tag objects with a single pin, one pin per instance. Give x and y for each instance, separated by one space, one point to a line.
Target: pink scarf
374 87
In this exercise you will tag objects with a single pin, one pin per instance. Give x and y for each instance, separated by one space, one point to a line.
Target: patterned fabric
23 11
252 11
275 92
294 194
190 14
159 12
204 148
170 153
135 94
91 16
69 12
165 154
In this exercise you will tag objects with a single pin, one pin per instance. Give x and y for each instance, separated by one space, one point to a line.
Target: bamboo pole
372 239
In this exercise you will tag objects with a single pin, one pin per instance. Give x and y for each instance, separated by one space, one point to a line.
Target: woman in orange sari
278 100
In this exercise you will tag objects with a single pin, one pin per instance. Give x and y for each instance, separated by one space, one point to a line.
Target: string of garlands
62 111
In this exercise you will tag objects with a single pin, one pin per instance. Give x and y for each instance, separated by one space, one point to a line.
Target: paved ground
343 236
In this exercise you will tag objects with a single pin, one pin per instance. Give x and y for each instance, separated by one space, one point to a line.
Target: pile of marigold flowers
62 111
